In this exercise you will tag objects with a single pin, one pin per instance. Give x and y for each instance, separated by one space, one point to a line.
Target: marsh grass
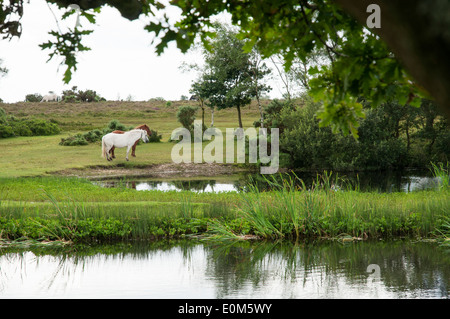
330 209
71 209
76 210
442 172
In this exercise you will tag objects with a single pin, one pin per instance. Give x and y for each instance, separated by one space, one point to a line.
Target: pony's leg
112 152
108 150
128 151
133 149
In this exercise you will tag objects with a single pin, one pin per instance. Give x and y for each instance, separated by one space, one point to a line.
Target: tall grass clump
442 173
330 209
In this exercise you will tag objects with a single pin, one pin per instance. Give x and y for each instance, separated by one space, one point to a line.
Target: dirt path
154 171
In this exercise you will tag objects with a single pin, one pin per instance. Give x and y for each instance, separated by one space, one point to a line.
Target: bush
114 125
75 140
12 126
310 146
186 116
93 136
6 131
40 127
36 97
96 135
75 95
154 138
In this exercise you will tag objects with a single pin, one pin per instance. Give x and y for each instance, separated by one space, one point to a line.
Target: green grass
50 208
42 155
289 213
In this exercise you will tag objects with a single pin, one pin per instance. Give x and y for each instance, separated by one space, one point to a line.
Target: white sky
121 62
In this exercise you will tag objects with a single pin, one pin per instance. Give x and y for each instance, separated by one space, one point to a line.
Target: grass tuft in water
442 173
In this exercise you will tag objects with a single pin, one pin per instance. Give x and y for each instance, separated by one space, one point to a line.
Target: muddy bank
166 170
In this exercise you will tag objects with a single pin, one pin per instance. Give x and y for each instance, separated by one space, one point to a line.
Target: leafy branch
67 45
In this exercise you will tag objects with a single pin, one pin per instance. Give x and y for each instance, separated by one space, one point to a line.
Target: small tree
202 89
258 71
186 116
232 78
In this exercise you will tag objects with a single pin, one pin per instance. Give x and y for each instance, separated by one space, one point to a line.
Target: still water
385 181
193 269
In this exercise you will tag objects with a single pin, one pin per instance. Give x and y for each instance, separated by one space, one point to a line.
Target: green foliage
6 131
442 172
40 127
358 62
231 77
36 97
389 137
94 135
154 137
75 140
322 212
75 95
12 126
114 125
67 45
186 116
77 210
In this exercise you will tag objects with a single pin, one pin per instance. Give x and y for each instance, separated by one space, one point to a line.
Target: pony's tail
103 148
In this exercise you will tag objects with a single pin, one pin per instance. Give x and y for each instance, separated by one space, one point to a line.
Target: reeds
329 208
442 173
324 210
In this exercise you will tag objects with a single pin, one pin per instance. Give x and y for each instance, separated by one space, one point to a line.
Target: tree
258 70
230 72
201 89
362 64
186 116
405 59
234 76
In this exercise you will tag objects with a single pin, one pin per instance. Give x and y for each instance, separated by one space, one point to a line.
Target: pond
385 181
191 269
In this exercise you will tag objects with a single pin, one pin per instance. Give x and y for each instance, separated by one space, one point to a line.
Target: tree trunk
239 116
212 116
408 142
202 105
260 111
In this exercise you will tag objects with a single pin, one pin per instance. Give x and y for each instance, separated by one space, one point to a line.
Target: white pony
126 139
50 97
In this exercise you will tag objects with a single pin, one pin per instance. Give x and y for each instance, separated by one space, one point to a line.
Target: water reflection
188 269
386 181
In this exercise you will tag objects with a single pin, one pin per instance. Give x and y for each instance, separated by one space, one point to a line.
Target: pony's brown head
146 128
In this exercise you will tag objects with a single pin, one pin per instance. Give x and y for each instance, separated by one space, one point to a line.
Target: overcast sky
121 62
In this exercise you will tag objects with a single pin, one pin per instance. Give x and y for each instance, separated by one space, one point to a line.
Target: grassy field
34 205
41 155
